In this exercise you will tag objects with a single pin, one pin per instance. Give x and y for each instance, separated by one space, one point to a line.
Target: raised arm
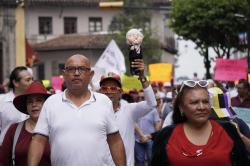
142 108
117 149
140 66
36 149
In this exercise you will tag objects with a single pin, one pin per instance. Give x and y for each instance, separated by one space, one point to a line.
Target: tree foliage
211 23
134 16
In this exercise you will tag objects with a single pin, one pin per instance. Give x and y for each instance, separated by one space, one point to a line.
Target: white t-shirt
9 114
77 134
127 116
2 96
168 120
233 92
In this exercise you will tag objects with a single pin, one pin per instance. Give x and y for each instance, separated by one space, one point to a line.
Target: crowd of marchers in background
162 124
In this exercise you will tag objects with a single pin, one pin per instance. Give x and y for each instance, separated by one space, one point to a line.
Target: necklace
197 150
198 153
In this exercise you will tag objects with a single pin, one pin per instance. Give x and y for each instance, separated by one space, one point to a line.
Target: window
95 24
70 24
60 67
45 25
40 69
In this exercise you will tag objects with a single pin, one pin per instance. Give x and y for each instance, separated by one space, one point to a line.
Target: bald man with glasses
78 122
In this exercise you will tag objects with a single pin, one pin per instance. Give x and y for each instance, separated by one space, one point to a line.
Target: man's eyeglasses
192 83
110 89
73 69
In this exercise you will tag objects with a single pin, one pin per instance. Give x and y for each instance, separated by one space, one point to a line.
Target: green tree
134 16
211 23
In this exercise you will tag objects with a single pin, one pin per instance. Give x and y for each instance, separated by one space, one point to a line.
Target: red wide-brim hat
35 88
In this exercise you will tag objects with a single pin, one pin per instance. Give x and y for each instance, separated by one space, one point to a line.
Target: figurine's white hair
134 32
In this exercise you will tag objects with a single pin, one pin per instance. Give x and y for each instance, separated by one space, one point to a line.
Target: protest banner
243 113
160 72
230 69
46 83
111 60
130 82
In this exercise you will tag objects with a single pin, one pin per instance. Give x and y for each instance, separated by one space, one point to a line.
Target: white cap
167 84
159 95
169 95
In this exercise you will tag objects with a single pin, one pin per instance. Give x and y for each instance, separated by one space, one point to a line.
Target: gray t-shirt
147 123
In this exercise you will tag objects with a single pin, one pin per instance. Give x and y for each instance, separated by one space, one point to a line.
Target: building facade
7 38
57 29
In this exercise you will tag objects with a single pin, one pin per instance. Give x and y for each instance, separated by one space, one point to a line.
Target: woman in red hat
14 150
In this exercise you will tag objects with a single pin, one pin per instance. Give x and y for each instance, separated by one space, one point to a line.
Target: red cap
133 91
154 84
160 84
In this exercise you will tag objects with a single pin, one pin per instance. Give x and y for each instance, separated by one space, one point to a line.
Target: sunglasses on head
192 83
110 89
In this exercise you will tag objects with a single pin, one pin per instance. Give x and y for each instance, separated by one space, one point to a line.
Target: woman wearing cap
19 135
194 139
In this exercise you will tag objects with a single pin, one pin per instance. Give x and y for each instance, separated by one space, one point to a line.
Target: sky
189 61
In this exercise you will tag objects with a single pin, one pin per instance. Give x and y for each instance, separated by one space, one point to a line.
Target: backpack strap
17 133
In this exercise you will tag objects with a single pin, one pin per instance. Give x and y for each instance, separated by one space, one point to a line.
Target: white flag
111 60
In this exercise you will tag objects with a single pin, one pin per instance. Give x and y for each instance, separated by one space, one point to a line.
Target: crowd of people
193 123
